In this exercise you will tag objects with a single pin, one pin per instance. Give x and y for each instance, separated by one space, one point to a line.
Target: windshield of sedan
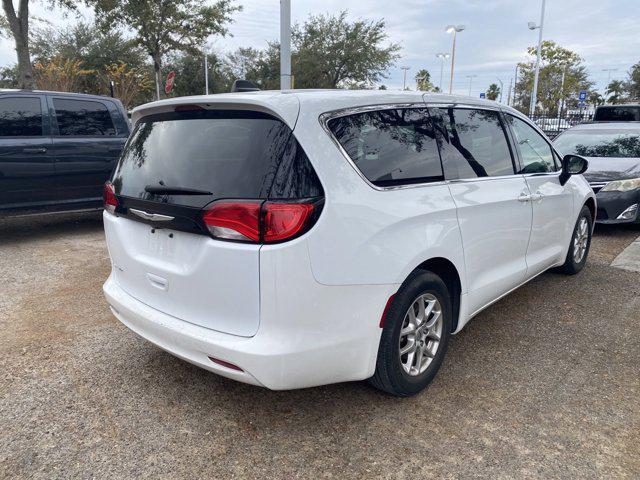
601 143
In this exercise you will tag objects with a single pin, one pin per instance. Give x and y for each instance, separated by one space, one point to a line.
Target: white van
299 238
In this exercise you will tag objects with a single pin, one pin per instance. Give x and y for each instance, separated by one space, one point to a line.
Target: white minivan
299 238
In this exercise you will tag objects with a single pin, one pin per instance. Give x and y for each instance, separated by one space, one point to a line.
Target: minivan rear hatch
174 166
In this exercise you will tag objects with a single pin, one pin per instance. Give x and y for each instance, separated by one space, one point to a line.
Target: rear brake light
109 198
257 221
234 220
284 220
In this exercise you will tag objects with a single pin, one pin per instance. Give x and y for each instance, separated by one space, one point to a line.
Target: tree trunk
19 25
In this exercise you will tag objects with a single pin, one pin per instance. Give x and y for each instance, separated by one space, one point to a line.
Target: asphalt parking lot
545 383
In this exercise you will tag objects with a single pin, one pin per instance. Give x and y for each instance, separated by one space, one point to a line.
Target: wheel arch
450 275
590 203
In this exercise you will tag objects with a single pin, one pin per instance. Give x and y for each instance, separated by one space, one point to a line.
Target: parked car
617 113
553 124
613 151
57 149
293 239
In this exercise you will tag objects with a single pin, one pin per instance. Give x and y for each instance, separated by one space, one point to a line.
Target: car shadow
48 226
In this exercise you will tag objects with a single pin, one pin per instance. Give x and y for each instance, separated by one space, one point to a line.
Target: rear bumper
612 204
276 358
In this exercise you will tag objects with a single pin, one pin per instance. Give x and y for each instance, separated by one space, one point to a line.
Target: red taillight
284 220
256 220
109 198
234 220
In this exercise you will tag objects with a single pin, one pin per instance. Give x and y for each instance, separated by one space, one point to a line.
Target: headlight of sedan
622 185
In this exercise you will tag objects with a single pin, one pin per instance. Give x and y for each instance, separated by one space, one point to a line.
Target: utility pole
471 77
501 89
285 44
534 92
404 78
509 92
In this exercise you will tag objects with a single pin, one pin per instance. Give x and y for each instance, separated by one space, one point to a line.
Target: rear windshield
601 143
218 154
617 114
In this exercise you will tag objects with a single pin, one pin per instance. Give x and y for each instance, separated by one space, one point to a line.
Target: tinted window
473 143
83 117
617 114
536 154
599 143
228 153
390 147
20 117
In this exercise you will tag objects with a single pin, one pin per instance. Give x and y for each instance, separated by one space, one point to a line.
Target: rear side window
223 154
390 147
473 143
20 117
83 118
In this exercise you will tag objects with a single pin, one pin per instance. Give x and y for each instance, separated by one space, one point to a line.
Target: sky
604 32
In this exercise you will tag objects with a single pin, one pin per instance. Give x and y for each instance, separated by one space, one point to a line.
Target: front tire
580 244
415 336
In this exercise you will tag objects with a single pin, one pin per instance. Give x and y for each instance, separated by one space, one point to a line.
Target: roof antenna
244 86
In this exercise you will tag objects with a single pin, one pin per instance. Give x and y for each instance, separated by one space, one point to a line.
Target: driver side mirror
572 165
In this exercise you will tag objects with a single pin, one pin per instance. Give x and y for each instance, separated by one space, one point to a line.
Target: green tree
97 49
163 26
493 92
555 60
261 67
632 85
595 98
17 22
423 81
189 79
332 52
615 92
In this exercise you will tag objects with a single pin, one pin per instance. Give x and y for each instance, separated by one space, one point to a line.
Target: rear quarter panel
371 236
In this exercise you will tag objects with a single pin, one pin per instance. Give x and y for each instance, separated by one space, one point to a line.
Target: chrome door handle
536 197
524 198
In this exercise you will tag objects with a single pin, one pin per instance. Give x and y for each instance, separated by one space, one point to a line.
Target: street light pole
206 73
404 77
442 57
534 92
609 70
285 44
453 29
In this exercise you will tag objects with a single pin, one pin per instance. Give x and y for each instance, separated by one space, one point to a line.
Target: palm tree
615 91
493 92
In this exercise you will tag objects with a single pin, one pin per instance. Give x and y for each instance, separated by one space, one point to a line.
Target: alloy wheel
420 334
580 240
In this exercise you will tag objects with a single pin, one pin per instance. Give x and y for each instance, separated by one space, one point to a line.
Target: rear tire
580 244
423 336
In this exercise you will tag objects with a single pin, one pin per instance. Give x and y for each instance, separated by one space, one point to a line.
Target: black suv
57 149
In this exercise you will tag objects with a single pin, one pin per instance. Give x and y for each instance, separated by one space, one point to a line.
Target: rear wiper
166 190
